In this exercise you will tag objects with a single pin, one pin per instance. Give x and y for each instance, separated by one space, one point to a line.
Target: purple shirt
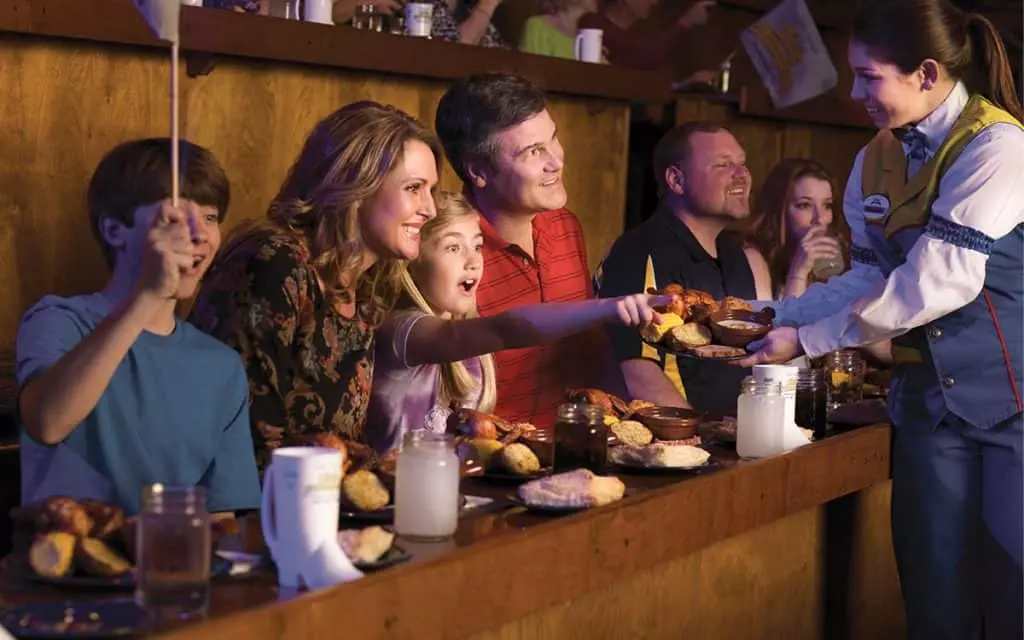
404 397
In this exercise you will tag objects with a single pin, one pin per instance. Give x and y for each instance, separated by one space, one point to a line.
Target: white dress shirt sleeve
981 199
820 300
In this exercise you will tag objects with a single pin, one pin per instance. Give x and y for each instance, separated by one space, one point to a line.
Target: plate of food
662 457
88 544
569 492
697 326
372 549
72 543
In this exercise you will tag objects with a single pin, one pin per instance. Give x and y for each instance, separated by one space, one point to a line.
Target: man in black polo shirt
704 186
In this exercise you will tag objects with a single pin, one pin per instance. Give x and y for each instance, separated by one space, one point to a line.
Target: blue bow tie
916 142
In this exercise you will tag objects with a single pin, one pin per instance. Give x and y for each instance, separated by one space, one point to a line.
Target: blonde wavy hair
341 167
457 385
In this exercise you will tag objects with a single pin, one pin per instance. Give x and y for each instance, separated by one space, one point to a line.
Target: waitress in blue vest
935 203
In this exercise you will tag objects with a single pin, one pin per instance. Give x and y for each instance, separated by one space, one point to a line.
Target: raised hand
168 251
637 310
816 244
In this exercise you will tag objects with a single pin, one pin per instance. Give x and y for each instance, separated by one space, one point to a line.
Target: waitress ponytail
908 32
992 65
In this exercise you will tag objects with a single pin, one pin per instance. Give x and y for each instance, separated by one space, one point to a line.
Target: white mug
419 19
299 516
321 11
587 47
786 376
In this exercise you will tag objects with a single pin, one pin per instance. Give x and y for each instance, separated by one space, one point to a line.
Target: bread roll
632 433
363 491
365 546
519 459
107 519
655 332
96 558
574 489
689 336
51 554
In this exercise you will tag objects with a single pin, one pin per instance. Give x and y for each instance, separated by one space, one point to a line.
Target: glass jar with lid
844 371
427 486
581 438
760 417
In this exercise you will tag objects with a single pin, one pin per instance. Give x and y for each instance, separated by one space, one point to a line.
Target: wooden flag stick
175 178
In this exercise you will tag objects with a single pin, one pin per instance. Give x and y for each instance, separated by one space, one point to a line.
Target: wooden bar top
263 38
505 563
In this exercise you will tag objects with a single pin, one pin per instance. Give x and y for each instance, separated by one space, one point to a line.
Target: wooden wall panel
66 103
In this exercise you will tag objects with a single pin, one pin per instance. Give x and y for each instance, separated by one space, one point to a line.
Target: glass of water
825 268
173 553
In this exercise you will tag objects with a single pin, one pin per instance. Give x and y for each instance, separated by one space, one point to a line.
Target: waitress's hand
779 346
637 310
817 244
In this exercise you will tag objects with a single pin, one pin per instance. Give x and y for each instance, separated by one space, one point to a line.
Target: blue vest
968 362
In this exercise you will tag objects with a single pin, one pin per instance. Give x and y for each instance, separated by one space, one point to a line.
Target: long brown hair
907 32
456 383
768 229
342 165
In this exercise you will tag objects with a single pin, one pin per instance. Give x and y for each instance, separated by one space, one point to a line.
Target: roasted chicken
470 423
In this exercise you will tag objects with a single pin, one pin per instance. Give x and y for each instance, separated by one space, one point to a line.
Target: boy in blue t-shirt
116 392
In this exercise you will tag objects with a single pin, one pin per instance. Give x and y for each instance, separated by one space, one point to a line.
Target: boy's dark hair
138 173
476 108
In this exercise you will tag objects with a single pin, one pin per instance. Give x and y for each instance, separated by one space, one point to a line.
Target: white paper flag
162 16
789 55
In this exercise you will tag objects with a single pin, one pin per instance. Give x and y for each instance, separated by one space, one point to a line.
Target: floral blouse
446 23
309 367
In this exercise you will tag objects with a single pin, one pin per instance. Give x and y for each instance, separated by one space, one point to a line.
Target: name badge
876 206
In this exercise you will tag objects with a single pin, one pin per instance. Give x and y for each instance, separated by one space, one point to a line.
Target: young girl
426 362
936 208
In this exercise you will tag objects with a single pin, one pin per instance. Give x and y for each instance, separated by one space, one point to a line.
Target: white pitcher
299 515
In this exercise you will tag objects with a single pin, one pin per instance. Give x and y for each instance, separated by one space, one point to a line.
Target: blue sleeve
47 331
232 482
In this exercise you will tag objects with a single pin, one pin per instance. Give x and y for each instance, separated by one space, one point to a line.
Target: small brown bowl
669 423
732 337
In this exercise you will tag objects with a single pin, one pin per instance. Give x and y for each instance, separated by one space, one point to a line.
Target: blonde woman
300 294
434 352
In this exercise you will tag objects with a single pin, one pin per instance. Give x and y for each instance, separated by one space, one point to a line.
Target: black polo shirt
663 251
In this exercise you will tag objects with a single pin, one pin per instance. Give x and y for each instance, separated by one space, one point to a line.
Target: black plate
689 354
104 619
514 479
708 466
519 502
395 555
123 581
380 516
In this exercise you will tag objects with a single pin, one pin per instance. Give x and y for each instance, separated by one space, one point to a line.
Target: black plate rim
711 465
691 356
398 555
512 478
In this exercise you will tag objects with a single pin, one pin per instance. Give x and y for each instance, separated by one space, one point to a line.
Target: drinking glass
825 268
173 547
427 486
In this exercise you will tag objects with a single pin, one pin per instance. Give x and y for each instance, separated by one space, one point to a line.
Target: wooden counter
795 546
80 77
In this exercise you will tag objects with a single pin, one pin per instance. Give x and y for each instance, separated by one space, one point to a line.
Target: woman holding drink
795 229
935 204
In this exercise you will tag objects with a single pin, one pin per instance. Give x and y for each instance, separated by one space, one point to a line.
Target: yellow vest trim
884 169
671 365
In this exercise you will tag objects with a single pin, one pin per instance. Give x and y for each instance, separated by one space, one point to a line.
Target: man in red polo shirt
503 144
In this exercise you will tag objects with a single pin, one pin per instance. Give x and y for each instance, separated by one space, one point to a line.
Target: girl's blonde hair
342 166
457 385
